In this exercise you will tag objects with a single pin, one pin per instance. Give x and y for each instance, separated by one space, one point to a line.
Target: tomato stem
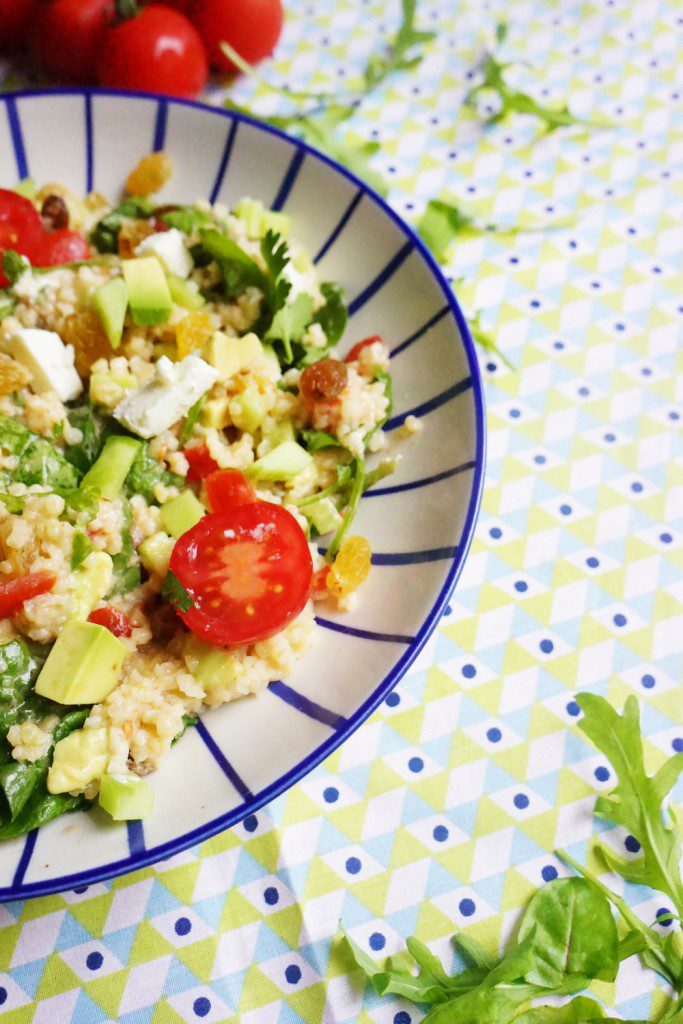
126 9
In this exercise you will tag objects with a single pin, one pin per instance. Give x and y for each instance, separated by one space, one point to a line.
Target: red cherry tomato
228 488
66 36
354 352
112 619
201 462
13 593
14 16
62 246
158 50
251 27
248 572
21 228
184 6
319 582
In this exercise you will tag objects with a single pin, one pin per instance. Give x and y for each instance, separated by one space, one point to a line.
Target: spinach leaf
333 316
105 234
19 667
39 461
238 270
146 472
573 929
38 810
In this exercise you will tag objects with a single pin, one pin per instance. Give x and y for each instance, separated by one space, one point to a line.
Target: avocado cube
249 409
282 463
217 670
181 513
78 759
215 412
149 295
184 294
110 302
279 432
126 797
91 581
83 666
107 475
231 355
155 553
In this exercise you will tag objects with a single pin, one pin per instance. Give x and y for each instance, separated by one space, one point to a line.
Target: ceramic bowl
419 521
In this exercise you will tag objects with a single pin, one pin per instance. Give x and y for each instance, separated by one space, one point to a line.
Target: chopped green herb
7 303
314 440
289 325
187 219
105 234
191 420
175 593
13 265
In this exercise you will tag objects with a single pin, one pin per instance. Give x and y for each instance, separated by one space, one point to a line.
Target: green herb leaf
39 461
175 593
404 51
82 546
146 472
7 303
314 440
344 475
637 801
579 1011
276 254
290 323
473 953
13 265
191 420
333 316
105 234
441 224
187 219
355 494
238 269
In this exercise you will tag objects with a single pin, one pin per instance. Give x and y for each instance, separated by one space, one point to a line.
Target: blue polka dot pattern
182 926
469 671
521 801
632 844
601 773
251 823
521 586
440 833
94 960
416 764
293 974
547 646
402 1017
377 941
201 1006
330 795
496 532
677 744
494 735
663 912
648 681
548 872
353 865
393 700
271 895
3 995
467 907
592 562
573 709
620 620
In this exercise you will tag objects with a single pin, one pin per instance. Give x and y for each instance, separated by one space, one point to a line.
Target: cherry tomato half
14 15
228 488
62 246
112 619
201 462
354 352
251 27
13 593
21 228
248 572
66 36
158 50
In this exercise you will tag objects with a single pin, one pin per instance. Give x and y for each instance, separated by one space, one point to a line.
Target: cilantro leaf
333 316
290 323
175 593
238 269
276 254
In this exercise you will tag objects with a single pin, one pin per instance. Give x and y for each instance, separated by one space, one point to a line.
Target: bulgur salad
176 433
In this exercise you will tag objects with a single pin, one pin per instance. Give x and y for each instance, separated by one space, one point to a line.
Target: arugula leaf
355 494
13 265
516 100
175 593
484 340
636 802
290 323
385 468
191 420
105 234
95 430
186 219
344 475
403 53
333 316
441 224
348 149
314 440
579 1011
82 546
473 953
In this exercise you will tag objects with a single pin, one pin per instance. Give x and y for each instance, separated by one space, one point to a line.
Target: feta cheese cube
169 249
49 361
167 397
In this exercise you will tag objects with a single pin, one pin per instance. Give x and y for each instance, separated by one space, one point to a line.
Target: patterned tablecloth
443 810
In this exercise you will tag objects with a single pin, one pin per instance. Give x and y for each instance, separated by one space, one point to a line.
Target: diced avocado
101 384
107 475
230 355
215 412
126 797
26 187
282 463
324 515
217 670
181 513
184 294
149 295
91 582
279 432
258 220
83 666
78 759
110 302
155 553
249 409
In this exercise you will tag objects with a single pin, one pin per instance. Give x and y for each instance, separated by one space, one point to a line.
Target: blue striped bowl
420 522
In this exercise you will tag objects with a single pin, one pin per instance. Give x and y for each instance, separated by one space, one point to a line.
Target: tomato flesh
228 488
62 246
13 593
248 572
201 462
354 352
112 619
21 228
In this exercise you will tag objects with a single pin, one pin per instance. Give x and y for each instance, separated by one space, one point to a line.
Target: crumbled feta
167 396
49 361
169 249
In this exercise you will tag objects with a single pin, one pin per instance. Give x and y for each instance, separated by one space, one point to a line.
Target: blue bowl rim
231 818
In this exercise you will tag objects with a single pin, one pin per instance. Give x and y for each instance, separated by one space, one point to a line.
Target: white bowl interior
249 751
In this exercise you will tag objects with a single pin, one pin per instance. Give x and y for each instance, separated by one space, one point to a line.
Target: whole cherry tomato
228 488
66 36
251 27
157 50
247 571
14 15
21 228
62 246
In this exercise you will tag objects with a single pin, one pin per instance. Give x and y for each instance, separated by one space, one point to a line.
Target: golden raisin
193 331
323 380
350 568
84 331
13 376
150 175
131 234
